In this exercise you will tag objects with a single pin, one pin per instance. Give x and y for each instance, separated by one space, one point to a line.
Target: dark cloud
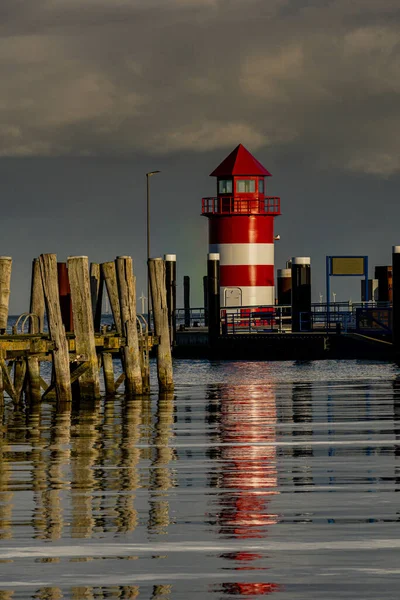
92 78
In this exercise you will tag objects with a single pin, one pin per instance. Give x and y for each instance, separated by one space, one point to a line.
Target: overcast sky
94 93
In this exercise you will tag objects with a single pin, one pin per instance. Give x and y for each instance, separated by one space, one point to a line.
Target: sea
251 480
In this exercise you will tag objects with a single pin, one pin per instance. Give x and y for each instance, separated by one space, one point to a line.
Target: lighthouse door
232 296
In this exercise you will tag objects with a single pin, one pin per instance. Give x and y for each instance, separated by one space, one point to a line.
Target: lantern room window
245 186
261 186
225 186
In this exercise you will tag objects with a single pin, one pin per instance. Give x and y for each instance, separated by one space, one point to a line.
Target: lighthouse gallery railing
230 205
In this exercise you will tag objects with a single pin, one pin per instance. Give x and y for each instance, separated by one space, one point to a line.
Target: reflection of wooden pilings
160 311
161 591
129 478
78 271
6 505
162 479
110 277
48 268
127 299
5 278
85 455
96 290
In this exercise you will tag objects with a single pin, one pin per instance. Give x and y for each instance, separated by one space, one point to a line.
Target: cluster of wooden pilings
70 295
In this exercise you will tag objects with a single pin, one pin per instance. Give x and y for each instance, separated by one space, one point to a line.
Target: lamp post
148 175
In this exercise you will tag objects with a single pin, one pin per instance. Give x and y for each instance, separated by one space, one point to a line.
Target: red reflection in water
249 474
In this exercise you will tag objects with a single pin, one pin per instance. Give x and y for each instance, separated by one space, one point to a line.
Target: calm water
252 480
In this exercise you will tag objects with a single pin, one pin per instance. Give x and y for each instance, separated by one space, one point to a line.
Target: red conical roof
240 162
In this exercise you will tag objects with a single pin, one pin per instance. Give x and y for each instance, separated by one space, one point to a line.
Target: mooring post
110 277
301 293
186 299
205 295
1 381
85 347
5 278
170 280
64 290
48 269
36 325
127 299
36 305
214 311
160 312
96 291
108 372
396 298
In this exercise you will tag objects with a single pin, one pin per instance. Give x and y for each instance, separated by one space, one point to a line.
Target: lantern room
241 187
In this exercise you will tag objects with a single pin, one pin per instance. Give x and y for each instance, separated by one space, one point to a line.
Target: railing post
214 317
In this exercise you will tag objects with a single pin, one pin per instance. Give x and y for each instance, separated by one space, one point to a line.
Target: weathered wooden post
186 299
5 278
96 290
110 277
214 312
127 300
1 384
36 325
160 311
48 269
36 305
78 273
170 280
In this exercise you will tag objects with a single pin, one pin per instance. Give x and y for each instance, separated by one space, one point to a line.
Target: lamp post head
152 173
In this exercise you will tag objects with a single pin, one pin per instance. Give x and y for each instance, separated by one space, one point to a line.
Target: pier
63 327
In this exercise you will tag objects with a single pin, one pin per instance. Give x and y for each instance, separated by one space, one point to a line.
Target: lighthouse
241 230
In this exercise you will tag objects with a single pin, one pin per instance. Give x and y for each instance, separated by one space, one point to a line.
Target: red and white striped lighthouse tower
241 230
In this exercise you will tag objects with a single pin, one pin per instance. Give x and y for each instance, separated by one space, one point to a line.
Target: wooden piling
78 273
96 290
110 277
37 305
127 299
108 372
48 269
160 312
1 387
33 370
5 278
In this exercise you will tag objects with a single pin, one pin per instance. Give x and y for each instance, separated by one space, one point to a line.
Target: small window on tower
261 186
245 186
225 186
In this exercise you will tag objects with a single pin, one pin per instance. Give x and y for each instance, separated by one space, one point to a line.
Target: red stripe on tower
241 230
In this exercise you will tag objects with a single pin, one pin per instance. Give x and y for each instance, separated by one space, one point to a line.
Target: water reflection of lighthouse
248 477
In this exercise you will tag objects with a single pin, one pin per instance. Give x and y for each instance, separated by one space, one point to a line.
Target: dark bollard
284 281
301 293
396 298
205 294
170 281
64 291
384 277
186 299
213 298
